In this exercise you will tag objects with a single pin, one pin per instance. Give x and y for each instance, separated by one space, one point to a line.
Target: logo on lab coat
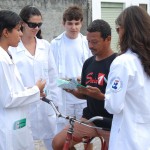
116 84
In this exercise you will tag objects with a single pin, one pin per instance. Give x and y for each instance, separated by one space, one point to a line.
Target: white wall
96 6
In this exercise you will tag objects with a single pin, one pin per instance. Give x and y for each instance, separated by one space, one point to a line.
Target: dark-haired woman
15 133
127 93
34 61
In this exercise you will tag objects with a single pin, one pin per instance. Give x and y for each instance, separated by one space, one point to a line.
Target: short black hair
101 26
73 13
8 20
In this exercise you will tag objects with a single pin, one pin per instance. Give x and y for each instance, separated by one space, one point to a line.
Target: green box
19 124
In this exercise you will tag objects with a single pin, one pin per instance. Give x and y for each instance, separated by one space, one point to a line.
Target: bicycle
86 140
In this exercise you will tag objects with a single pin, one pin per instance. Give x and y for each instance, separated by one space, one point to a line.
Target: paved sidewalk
96 145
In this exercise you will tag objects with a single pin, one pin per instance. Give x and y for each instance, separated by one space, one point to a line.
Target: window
144 6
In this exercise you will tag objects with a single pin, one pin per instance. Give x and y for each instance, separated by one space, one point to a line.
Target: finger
42 94
44 81
89 87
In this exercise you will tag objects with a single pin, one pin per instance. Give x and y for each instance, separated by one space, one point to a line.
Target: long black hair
27 12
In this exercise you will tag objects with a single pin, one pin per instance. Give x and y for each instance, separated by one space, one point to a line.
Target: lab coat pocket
142 126
142 118
22 139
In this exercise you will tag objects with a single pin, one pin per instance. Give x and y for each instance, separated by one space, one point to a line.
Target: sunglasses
117 29
33 25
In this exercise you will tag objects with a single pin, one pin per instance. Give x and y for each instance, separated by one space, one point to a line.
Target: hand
79 79
92 92
76 93
82 90
42 94
41 84
69 91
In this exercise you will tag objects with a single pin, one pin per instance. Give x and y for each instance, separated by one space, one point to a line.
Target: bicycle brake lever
93 119
58 114
103 119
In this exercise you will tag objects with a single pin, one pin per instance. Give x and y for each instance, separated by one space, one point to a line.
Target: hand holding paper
70 84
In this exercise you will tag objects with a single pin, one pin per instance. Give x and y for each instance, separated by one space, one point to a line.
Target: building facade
110 9
52 11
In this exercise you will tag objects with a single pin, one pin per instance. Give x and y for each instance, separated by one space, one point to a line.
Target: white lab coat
32 68
14 98
57 46
128 98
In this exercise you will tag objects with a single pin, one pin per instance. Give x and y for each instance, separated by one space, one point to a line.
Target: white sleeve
54 49
11 96
25 97
53 76
116 87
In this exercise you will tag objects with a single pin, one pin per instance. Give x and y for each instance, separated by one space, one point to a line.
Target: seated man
94 77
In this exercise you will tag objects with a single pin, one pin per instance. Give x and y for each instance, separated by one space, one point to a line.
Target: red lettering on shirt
99 80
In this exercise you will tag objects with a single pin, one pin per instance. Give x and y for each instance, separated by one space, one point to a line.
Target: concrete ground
96 145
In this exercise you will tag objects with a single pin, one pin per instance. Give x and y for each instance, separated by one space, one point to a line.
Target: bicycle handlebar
58 114
52 104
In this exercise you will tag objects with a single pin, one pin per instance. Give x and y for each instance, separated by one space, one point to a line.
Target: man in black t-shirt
95 74
94 78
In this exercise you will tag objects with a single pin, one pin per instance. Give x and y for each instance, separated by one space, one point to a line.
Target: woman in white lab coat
128 90
15 133
35 60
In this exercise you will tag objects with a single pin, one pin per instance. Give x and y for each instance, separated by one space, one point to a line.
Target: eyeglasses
33 25
117 29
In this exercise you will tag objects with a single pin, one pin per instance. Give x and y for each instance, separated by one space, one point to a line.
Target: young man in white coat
70 50
15 132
